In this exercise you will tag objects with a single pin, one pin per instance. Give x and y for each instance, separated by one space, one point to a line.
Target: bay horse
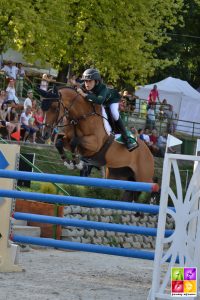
84 128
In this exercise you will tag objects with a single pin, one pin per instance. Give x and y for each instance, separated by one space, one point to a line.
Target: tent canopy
182 96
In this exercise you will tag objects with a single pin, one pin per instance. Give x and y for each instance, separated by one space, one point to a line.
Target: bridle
66 112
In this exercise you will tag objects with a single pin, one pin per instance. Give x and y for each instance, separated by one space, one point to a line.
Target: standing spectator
151 118
11 95
10 71
44 82
25 124
143 109
20 80
29 100
153 96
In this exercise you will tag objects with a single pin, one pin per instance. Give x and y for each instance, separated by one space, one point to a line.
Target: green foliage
118 37
47 188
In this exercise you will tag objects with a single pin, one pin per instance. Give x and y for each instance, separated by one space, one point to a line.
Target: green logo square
177 273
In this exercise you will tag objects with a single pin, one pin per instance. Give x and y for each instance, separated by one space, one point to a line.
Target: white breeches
114 108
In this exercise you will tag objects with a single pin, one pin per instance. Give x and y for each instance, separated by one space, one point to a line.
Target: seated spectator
154 139
25 119
141 134
162 142
2 97
13 121
29 100
39 118
11 95
122 105
151 118
146 137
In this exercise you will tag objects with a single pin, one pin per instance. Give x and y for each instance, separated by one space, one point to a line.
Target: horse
84 130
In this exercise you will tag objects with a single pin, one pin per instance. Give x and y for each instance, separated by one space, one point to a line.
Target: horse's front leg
60 144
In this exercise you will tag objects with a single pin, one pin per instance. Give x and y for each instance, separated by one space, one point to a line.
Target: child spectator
29 100
39 118
11 95
26 125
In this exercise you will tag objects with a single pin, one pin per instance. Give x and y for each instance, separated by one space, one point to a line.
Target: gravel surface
62 275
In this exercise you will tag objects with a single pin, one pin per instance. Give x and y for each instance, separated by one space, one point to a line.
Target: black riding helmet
91 74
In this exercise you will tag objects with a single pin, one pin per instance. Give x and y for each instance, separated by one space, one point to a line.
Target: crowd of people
25 115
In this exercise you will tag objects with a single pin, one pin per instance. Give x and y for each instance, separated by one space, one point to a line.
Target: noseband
67 111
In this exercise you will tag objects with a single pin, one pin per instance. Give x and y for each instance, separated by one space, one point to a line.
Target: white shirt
10 71
24 119
44 85
27 103
11 93
146 138
151 114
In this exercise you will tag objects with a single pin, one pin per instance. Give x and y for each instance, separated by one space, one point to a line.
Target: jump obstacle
185 221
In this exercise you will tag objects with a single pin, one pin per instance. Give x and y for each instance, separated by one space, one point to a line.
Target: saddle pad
130 135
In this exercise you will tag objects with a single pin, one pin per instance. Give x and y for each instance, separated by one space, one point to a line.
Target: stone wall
110 238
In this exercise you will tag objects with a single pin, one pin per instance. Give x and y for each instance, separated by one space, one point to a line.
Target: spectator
143 109
162 142
13 122
44 82
146 137
29 100
141 134
10 71
151 118
153 96
3 114
11 95
39 118
154 139
26 125
164 107
2 97
21 75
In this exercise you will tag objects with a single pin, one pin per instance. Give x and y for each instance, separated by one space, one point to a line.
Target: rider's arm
98 99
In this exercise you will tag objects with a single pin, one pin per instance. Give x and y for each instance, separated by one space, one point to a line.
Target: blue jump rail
89 224
97 182
83 247
88 202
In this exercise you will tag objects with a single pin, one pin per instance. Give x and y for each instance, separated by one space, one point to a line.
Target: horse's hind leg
124 173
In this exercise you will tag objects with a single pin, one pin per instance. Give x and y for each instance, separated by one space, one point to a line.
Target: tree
117 37
183 48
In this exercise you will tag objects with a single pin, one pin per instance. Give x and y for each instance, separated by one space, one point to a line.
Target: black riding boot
129 145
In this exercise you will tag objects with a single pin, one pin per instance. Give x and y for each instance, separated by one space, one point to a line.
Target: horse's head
50 107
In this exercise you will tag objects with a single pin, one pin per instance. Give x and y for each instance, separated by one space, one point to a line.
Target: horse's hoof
79 166
70 165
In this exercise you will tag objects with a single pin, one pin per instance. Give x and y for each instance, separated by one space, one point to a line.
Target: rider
94 90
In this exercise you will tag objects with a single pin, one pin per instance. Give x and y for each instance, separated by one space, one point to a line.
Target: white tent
184 98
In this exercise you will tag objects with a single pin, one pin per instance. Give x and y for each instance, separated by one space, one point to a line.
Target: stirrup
69 165
130 147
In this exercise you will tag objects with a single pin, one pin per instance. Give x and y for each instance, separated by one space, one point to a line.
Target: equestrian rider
94 90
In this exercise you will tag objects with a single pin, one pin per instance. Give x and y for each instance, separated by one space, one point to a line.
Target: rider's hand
80 91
